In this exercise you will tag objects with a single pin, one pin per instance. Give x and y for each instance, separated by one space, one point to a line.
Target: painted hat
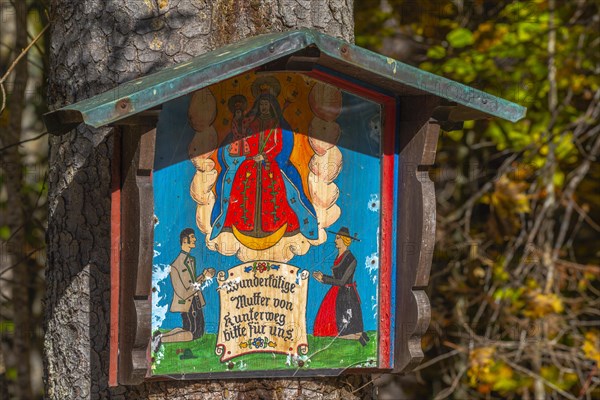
187 354
344 231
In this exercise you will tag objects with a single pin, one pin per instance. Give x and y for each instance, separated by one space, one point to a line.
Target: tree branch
41 135
14 64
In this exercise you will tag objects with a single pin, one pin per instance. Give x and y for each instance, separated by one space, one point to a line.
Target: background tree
22 196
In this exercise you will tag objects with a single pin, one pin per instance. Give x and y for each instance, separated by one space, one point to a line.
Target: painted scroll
263 307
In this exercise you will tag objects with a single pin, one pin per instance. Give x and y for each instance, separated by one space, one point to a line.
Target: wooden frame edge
416 227
115 258
136 218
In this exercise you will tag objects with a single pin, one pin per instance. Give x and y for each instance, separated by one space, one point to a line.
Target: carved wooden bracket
416 227
137 231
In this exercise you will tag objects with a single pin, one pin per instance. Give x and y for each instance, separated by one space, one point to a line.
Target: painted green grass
323 353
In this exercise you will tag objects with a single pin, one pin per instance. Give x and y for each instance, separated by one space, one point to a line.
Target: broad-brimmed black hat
344 231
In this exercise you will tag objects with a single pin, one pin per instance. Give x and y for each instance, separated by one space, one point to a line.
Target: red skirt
325 321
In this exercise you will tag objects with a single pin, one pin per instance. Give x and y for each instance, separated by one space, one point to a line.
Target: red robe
258 204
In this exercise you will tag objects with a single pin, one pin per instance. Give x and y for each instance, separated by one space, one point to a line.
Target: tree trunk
95 45
23 279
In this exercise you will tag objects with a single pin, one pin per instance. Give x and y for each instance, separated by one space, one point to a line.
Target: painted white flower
374 203
369 364
293 359
304 358
159 356
159 273
372 263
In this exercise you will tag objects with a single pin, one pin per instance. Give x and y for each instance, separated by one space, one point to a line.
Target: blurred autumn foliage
515 282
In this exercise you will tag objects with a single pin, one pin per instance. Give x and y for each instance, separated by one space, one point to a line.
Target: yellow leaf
508 200
540 305
480 362
511 195
591 346
531 283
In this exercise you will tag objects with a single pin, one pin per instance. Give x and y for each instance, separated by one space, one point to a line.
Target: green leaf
4 232
559 179
460 37
455 135
506 385
527 30
7 327
436 52
11 374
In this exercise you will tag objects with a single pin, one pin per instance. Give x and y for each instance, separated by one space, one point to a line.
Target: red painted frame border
387 205
115 259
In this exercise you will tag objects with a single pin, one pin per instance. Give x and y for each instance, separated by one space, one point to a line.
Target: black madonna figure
340 313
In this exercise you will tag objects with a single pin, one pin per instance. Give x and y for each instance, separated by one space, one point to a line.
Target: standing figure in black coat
340 313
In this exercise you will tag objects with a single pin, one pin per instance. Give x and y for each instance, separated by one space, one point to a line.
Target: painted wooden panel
268 202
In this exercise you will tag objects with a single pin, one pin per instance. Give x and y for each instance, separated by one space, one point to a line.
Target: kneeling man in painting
187 294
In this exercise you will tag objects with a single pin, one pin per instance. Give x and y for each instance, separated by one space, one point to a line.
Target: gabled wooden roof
299 50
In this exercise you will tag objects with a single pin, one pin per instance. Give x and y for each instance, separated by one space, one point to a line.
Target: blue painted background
358 181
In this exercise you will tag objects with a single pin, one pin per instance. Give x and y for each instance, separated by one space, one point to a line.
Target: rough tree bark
95 45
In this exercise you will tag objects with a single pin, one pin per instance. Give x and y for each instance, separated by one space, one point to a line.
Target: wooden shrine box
272 211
